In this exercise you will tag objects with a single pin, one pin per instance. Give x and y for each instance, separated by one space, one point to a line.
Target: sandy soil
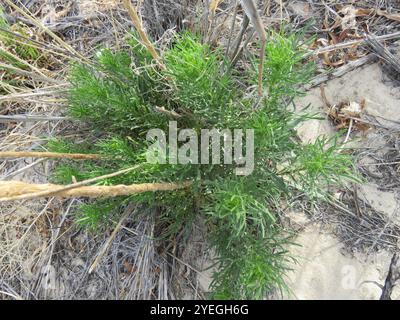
325 269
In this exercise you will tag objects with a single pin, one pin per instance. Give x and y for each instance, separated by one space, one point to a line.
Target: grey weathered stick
26 118
245 24
228 46
254 16
341 71
392 277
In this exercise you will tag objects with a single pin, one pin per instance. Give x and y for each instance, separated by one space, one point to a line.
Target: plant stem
13 190
139 28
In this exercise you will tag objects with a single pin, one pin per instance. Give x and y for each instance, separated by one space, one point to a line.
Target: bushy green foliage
116 98
284 66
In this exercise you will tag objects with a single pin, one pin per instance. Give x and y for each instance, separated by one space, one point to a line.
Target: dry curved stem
15 190
50 155
139 28
254 16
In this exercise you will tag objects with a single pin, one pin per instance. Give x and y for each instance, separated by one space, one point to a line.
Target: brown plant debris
13 190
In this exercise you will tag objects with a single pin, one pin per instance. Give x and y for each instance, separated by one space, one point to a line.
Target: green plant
123 95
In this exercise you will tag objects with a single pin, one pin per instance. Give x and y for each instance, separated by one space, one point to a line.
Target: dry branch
14 190
50 192
139 28
51 155
339 72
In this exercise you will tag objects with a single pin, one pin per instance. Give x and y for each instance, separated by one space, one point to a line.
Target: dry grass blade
252 12
214 5
29 74
109 241
51 155
23 169
20 8
212 9
17 38
22 61
28 94
143 35
11 295
14 190
384 53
